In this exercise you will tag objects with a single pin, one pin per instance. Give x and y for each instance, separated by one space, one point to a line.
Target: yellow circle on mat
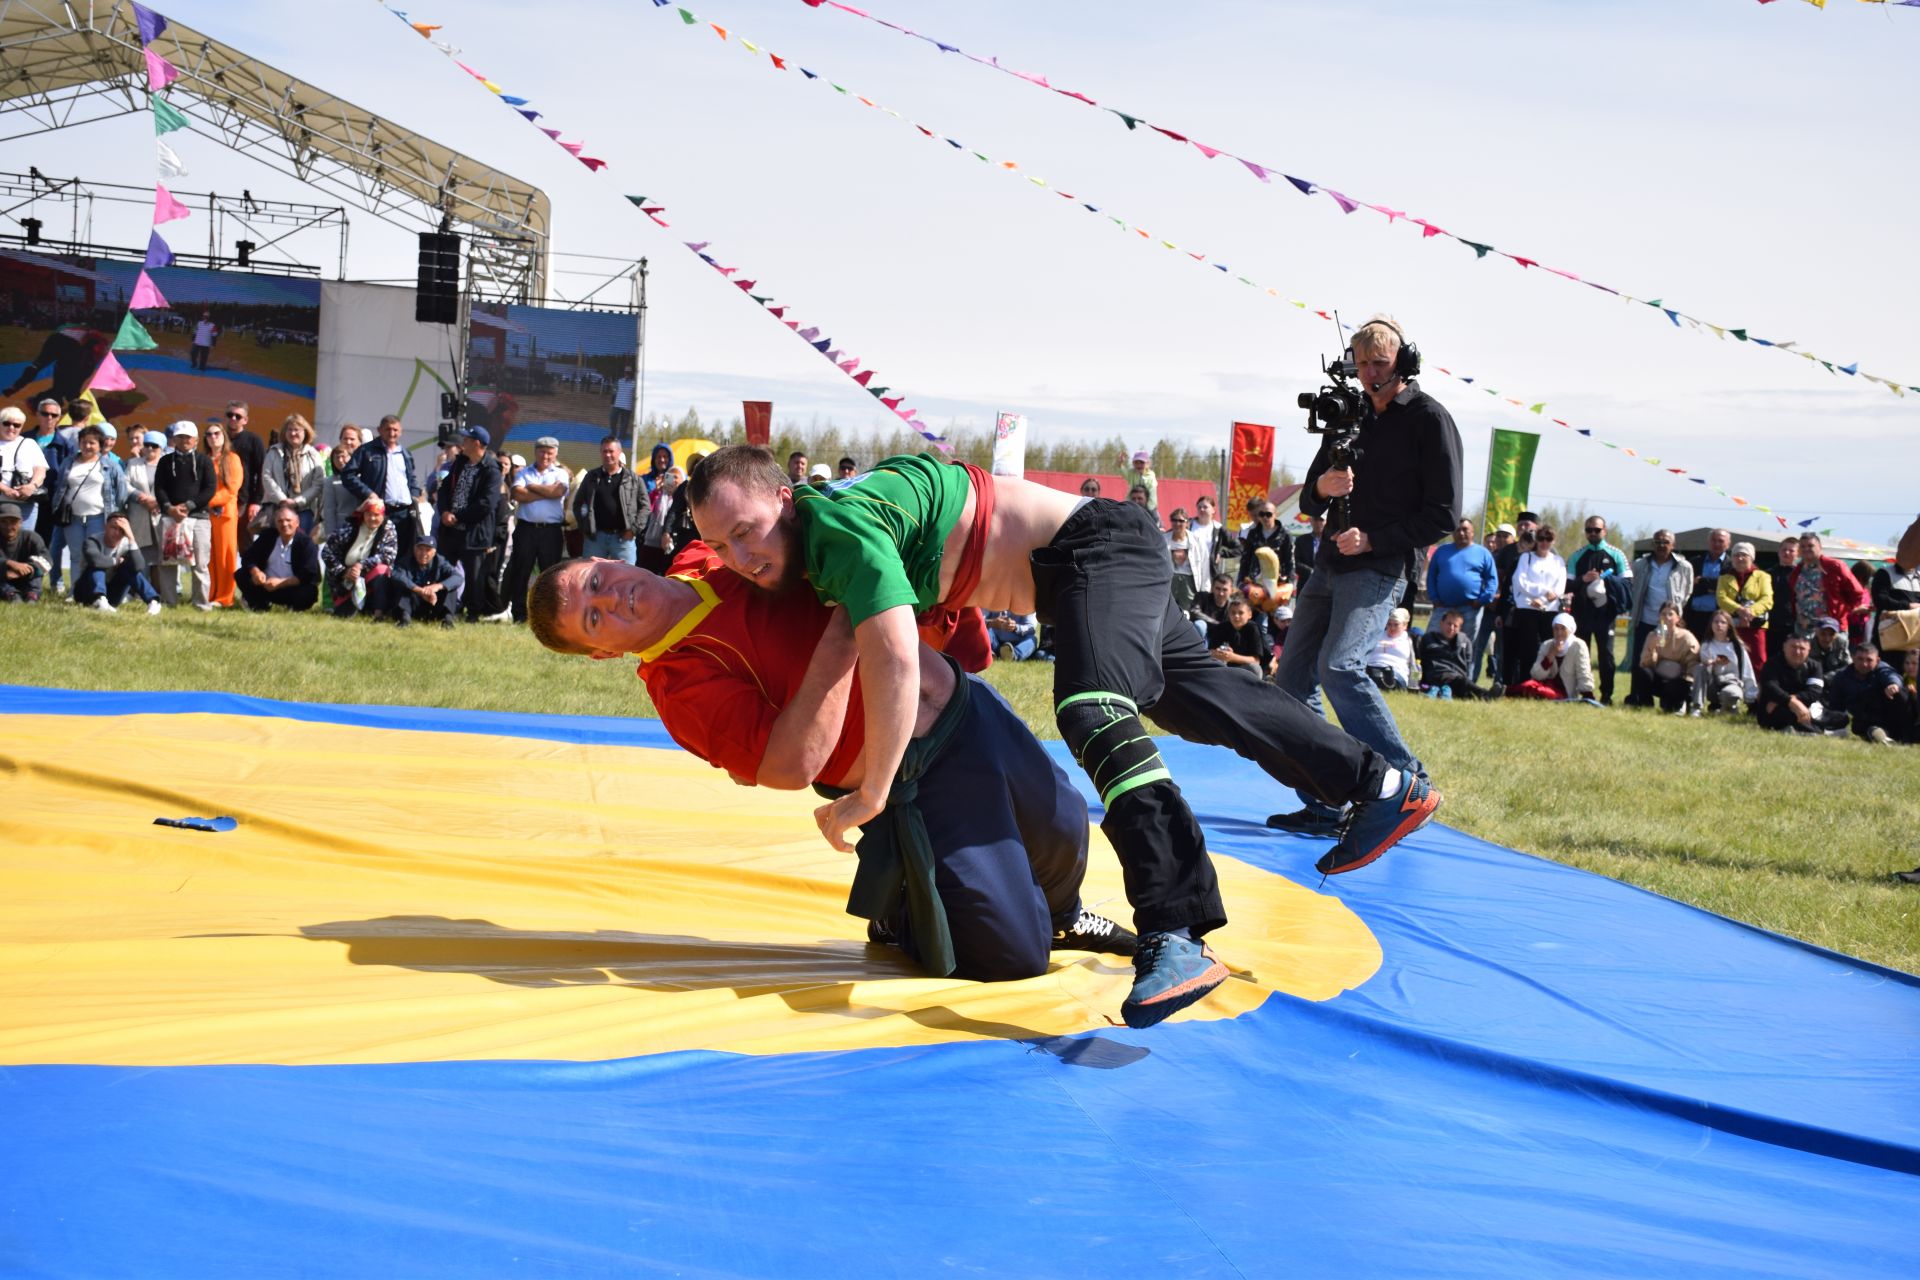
408 896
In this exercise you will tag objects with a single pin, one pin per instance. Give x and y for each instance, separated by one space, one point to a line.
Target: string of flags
1265 173
1201 260
1821 4
866 379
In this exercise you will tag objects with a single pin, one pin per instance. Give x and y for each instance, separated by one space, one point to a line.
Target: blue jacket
366 474
1848 690
1458 575
114 478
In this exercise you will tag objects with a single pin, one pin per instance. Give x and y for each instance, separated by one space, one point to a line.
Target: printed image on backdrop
223 336
540 371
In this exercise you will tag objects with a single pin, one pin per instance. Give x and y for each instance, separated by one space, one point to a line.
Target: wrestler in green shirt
874 540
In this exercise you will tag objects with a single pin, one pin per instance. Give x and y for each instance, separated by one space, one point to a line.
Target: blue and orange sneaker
1378 825
1169 973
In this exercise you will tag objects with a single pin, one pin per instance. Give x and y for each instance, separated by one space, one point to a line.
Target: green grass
1794 835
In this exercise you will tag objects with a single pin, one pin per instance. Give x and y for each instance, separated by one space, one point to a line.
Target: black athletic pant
1599 629
1105 584
536 549
298 597
1527 630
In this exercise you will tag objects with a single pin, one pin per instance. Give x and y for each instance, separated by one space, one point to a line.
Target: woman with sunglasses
223 514
1539 580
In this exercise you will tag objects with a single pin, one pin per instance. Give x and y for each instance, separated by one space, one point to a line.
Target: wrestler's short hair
747 465
548 601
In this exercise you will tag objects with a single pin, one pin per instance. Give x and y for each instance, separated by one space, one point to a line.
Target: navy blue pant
1009 844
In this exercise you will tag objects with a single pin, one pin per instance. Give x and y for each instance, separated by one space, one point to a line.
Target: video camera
1335 411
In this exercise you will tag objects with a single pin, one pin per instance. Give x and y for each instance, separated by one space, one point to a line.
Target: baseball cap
518 459
546 442
154 437
1828 623
477 433
820 471
1526 515
184 428
426 539
11 509
1142 455
113 432
1507 529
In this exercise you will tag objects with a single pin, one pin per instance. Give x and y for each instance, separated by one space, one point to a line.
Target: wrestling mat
465 994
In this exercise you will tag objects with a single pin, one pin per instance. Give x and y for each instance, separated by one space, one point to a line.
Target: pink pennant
146 294
892 402
1068 93
1205 150
573 148
745 285
1256 170
793 324
863 377
811 333
596 164
1346 205
696 246
160 72
1525 262
1568 274
1391 213
165 207
110 376
1177 137
849 366
778 312
551 133
1427 228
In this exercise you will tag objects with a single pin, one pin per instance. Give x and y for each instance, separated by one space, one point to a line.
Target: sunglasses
236 416
1264 515
49 413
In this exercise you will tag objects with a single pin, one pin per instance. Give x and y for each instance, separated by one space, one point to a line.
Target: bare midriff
1026 516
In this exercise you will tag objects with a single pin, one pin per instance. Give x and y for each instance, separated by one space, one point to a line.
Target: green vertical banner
1509 471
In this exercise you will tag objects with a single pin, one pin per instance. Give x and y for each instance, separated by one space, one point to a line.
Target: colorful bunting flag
133 336
160 72
151 24
170 166
110 376
165 207
146 295
159 252
166 116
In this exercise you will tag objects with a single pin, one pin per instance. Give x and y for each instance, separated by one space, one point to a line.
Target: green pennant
132 336
1739 333
877 392
763 301
688 18
983 159
1654 303
1244 280
1132 122
1479 250
1610 446
637 201
1537 408
166 116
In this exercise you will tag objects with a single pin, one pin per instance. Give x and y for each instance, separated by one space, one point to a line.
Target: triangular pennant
762 298
849 366
810 332
166 116
160 72
594 163
1130 121
877 392
1306 188
110 376
779 63
1427 229
1177 137
1207 151
133 336
893 403
688 18
146 294
1479 250
1850 368
165 207
535 115
808 74
746 286
822 345
151 23
778 312
718 30
169 163
1739 333
863 377
159 252
512 101
1256 170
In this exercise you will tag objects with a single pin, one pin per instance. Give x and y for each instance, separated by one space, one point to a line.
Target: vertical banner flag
1010 445
759 419
1252 474
1509 471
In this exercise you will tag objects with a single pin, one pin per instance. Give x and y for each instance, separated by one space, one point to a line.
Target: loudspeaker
437 298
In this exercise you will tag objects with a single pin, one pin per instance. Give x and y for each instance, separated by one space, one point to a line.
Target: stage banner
376 359
1010 444
1252 473
215 336
759 420
552 371
1509 472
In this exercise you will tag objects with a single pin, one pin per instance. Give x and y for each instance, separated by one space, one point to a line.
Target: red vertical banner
759 415
1251 475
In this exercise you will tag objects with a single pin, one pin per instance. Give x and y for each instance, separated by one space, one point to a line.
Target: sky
1746 163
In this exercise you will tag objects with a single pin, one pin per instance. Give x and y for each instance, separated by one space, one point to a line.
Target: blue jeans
611 546
90 584
1482 636
1337 620
71 538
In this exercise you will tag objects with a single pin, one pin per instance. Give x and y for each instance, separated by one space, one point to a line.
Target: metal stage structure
76 62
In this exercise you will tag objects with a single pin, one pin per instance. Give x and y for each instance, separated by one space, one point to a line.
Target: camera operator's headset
1406 362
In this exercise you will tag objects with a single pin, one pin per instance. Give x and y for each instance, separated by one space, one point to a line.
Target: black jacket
1780 680
184 478
1443 661
1407 484
1276 537
411 573
633 500
477 520
253 459
366 473
1303 558
303 552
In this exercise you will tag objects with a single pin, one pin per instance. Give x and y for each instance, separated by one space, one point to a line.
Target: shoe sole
1318 829
1103 946
1146 1013
1408 825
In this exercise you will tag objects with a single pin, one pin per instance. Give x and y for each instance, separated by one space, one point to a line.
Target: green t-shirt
873 541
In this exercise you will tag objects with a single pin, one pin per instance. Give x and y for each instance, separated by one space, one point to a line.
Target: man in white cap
183 486
820 476
539 535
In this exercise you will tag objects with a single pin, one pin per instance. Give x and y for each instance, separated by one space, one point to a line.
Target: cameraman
1403 493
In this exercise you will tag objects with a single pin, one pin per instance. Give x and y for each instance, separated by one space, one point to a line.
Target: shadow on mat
815 977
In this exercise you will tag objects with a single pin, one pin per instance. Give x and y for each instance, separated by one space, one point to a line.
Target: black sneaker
1308 822
1911 877
1096 933
880 934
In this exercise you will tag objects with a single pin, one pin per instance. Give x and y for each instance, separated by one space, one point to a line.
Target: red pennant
893 403
1177 137
778 311
779 63
863 377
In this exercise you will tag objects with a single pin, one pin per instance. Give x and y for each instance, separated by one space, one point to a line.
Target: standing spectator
1560 671
819 476
337 503
143 508
1483 635
1829 648
1179 549
1791 689
620 416
1506 558
351 438
1713 562
467 514
253 461
1724 676
1208 541
1461 577
56 447
1598 576
1265 531
504 520
1746 596
223 516
295 472
1239 641
849 468
1780 621
205 334
1668 658
426 585
1390 665
1138 471
1660 578
1090 488
660 460
1895 596
23 556
183 482
1306 547
1446 659
1539 580
1822 588
615 511
679 527
1868 690
653 539
359 561
1014 636
538 541
796 466
92 487
281 566
23 467
382 469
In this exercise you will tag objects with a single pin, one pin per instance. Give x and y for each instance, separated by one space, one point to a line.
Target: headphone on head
1406 362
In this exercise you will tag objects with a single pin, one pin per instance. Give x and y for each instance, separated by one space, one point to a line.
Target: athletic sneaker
880 934
1096 933
1378 825
1308 822
153 607
1169 973
104 605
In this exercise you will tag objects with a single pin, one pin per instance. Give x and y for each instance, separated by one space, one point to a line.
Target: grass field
1794 835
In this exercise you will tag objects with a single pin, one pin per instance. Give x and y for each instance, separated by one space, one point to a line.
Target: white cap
183 428
820 471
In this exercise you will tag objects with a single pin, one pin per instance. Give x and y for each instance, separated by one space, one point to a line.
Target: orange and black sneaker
1378 825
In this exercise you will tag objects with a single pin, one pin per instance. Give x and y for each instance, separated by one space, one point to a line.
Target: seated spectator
1724 677
1140 496
1212 607
1746 594
281 566
1390 665
296 472
1090 487
1791 689
1015 636
24 554
426 584
1830 647
1870 693
1240 641
358 560
1668 658
1446 661
111 568
1563 671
